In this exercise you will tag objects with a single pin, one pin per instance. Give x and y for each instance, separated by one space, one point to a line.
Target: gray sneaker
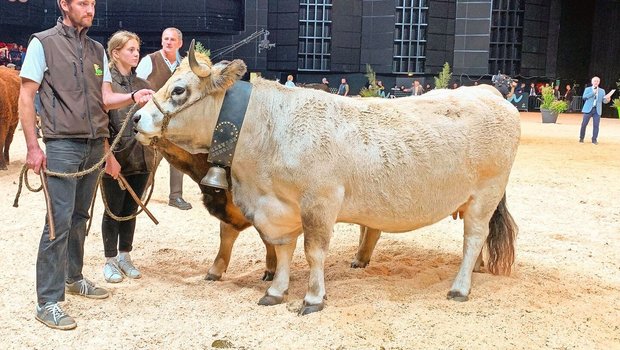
112 273
53 316
128 268
86 288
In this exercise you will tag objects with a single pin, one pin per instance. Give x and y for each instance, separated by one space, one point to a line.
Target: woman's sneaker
128 268
111 272
53 316
86 288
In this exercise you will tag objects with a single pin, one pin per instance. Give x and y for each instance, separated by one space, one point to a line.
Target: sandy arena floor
564 293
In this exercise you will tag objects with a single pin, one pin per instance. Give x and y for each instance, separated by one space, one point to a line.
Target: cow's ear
229 74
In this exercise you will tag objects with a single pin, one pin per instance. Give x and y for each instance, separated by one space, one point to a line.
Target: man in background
157 68
593 97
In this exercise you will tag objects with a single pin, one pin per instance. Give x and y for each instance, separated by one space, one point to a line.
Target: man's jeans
596 119
61 260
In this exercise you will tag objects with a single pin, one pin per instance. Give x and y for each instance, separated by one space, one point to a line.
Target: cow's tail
501 240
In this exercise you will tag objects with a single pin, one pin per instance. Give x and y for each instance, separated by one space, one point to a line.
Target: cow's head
186 108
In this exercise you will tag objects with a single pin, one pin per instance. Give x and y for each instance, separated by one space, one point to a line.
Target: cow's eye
178 90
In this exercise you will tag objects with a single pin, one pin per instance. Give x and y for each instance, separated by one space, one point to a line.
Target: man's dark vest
71 100
160 72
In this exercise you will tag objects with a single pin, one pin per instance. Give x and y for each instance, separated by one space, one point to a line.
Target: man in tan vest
157 68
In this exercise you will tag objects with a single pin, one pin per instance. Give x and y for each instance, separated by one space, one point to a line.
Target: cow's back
424 154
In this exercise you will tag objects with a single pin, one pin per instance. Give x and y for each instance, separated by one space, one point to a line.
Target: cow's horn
200 69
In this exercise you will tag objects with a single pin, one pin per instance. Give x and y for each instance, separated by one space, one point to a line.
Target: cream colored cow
307 159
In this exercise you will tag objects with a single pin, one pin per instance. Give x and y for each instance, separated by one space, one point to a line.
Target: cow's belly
403 211
277 221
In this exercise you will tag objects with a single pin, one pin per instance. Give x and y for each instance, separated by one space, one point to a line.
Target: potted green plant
550 107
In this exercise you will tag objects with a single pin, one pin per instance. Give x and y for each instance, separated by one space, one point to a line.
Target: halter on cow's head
185 110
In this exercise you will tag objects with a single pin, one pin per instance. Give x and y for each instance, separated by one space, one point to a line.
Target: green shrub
549 101
442 81
372 90
203 50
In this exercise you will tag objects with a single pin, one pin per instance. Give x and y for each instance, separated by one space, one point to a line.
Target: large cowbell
216 177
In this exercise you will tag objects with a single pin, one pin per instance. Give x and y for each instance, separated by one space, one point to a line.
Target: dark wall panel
440 35
575 41
377 40
535 32
346 35
283 23
472 37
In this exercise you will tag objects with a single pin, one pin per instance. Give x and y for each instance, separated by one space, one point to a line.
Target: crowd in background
12 55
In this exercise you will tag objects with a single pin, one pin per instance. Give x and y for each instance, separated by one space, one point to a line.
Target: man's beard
84 22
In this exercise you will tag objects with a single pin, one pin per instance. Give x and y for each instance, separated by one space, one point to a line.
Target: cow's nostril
136 118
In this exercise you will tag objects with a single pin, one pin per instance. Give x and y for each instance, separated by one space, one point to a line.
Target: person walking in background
157 68
593 97
136 162
568 97
343 89
75 129
289 81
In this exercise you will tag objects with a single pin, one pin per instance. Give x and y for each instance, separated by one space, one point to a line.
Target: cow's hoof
268 276
310 308
270 300
356 264
212 277
457 296
3 167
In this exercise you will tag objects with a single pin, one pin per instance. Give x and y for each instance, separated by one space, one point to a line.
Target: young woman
135 160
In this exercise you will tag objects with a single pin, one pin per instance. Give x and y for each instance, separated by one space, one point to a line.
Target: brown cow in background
9 94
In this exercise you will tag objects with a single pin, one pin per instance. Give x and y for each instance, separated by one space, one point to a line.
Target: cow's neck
229 124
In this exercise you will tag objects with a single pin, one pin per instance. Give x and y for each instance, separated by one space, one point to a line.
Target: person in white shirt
157 68
289 81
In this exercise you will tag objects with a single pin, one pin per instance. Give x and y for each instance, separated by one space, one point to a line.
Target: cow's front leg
279 287
368 241
228 236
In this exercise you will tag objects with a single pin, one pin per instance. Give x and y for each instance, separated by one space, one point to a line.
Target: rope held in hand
23 178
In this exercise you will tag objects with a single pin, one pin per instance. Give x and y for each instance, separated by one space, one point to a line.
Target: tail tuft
501 240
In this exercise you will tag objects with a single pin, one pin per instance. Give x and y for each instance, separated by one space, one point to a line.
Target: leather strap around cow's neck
229 123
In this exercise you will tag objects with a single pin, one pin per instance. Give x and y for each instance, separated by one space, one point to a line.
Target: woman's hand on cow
112 167
141 97
36 159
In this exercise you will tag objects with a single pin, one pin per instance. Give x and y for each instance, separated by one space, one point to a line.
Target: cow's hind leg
8 141
3 133
476 229
279 287
228 236
368 241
